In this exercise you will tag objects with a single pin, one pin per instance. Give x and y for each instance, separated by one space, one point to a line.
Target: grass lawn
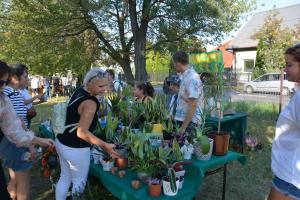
249 182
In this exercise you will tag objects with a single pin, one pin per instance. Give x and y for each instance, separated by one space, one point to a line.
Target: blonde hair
294 51
92 74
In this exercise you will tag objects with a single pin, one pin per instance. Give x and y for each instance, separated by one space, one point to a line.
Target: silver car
269 82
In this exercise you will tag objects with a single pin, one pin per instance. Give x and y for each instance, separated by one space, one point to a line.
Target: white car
269 82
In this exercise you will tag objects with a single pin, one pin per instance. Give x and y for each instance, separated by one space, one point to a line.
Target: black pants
3 187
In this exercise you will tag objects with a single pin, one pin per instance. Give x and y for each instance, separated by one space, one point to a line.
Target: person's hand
40 95
32 152
44 142
181 131
109 148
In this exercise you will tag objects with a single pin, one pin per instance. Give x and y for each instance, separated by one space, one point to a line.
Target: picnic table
195 172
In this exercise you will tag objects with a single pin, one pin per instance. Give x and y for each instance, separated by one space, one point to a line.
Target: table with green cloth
235 124
195 172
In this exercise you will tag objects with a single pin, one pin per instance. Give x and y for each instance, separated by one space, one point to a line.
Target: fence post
281 87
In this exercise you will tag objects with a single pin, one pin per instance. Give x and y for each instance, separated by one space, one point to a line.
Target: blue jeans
11 155
286 188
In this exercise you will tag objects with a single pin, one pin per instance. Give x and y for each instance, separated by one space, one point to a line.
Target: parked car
269 82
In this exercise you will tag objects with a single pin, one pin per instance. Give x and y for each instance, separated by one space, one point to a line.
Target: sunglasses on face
3 82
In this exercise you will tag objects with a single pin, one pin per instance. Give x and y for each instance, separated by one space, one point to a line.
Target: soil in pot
221 143
154 190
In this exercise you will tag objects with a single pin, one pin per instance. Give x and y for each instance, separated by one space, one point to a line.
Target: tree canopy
273 40
59 34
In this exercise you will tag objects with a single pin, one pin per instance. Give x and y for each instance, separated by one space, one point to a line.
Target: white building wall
238 65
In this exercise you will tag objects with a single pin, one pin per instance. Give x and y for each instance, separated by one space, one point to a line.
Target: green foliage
273 40
109 130
176 151
155 110
55 35
172 179
202 139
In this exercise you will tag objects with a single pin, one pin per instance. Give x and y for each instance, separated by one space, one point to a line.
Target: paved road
239 96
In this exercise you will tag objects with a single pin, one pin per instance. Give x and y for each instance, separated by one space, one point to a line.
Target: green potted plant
154 187
155 112
221 138
170 183
203 145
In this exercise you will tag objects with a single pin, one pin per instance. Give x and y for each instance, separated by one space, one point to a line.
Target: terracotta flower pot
121 162
221 143
154 190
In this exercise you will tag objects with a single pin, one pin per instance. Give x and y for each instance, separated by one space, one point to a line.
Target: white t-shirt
34 83
117 85
286 145
26 95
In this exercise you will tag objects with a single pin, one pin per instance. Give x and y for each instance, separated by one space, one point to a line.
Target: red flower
46 173
44 162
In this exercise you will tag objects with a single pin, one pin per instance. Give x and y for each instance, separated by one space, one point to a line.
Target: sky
261 5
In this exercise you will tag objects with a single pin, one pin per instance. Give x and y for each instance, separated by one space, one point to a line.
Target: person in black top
73 146
143 91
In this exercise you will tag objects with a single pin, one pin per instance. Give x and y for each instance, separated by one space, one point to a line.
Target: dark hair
294 51
181 57
4 69
147 88
17 70
111 72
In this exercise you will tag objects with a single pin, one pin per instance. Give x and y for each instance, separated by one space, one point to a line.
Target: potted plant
187 150
221 138
107 163
155 111
154 187
170 183
203 145
122 140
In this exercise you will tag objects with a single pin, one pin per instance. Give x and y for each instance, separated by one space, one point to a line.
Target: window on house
248 65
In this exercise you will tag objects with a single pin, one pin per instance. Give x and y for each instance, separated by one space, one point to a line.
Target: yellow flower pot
157 128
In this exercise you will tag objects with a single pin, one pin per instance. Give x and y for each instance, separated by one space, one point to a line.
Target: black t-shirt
70 138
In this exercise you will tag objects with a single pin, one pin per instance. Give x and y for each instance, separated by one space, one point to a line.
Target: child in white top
286 146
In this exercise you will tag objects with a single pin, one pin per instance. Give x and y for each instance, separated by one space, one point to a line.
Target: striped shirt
17 101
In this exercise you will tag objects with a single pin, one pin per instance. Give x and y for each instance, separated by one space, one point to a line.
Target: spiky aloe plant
202 139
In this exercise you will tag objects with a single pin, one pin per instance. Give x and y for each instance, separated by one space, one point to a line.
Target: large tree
273 40
124 28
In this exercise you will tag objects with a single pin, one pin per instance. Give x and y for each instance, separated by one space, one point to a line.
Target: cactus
172 179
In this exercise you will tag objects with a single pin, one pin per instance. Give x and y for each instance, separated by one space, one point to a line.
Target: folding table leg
224 181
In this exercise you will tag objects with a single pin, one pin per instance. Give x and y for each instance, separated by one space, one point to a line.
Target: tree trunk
140 57
127 70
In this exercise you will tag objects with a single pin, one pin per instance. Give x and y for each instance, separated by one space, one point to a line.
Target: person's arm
87 111
192 105
11 127
31 100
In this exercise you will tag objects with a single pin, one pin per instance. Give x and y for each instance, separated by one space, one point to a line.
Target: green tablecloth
121 187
